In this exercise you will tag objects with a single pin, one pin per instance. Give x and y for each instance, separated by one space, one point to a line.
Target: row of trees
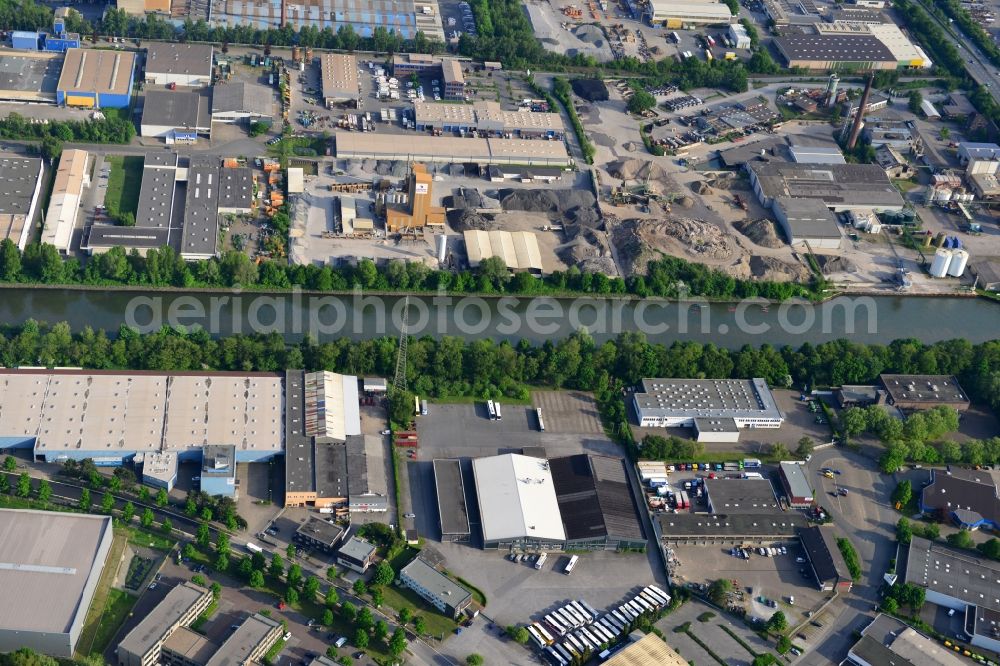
668 277
453 367
107 130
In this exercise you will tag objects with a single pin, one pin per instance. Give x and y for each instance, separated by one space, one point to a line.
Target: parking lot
711 633
760 580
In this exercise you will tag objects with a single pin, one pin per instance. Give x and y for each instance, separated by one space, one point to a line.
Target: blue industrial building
96 79
24 40
218 470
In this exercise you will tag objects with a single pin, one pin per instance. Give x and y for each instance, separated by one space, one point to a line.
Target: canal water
866 319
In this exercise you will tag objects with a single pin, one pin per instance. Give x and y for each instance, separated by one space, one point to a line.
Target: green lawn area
398 598
122 195
153 538
298 146
109 607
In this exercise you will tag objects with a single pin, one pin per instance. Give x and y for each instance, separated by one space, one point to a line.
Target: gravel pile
546 201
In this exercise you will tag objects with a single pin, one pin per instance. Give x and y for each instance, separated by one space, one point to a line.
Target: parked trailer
585 640
594 637
541 423
636 608
492 410
621 618
571 564
254 548
541 560
590 609
537 637
496 406
602 633
650 599
628 613
568 648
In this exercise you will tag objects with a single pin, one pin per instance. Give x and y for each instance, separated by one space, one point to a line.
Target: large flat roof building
807 221
67 192
112 415
182 606
825 558
517 502
487 116
237 101
678 402
841 187
172 114
835 51
339 78
51 566
925 391
453 513
434 587
20 187
187 64
94 79
747 496
596 503
730 528
890 641
450 150
672 14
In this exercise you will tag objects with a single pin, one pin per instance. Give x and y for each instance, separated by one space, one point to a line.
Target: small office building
356 554
435 588
796 484
320 534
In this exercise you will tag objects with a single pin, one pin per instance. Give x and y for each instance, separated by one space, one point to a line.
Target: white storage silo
959 258
942 259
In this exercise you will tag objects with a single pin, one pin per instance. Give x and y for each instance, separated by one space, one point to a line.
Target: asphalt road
867 518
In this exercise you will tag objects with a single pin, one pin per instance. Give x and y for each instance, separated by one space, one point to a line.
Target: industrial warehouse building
179 64
925 391
328 462
890 641
596 503
453 512
579 502
672 14
960 580
860 50
517 249
419 211
339 78
52 565
825 559
646 650
799 491
111 417
668 403
179 116
733 528
747 496
67 193
807 222
841 187
488 117
435 588
29 76
20 189
96 79
966 497
450 150
189 195
239 101
518 505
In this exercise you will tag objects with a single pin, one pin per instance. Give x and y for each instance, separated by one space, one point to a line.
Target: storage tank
309 55
939 239
831 90
928 239
442 248
296 56
942 259
959 258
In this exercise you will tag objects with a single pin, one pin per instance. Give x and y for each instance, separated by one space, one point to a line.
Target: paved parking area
568 412
777 578
711 633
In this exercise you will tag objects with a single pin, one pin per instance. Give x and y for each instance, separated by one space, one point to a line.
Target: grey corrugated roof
243 97
240 644
175 108
809 218
452 510
777 524
594 498
175 58
834 48
835 184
